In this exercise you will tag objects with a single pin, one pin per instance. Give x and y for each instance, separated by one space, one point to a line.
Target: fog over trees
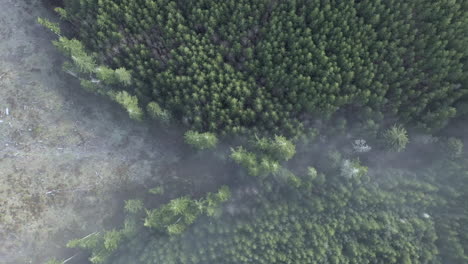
339 127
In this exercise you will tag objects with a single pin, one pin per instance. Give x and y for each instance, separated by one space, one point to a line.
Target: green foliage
54 27
123 76
213 200
70 47
255 166
89 86
62 12
173 218
247 160
361 223
223 194
177 215
85 64
201 141
351 169
396 138
131 226
157 113
95 243
112 239
288 68
133 206
54 261
112 77
312 173
393 216
291 179
453 147
88 242
84 67
157 190
280 148
106 75
76 51
266 158
130 103
268 166
277 67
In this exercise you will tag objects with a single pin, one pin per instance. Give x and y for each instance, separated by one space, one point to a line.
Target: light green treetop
130 103
201 141
54 27
396 138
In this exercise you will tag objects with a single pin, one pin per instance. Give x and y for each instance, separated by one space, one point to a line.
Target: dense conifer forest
345 122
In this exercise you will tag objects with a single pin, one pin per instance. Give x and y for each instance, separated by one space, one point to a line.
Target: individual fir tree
75 50
283 148
179 205
201 141
133 206
90 241
453 148
289 177
268 166
54 27
112 239
246 159
130 103
279 148
157 113
352 169
106 75
396 138
312 173
213 200
223 194
123 76
89 86
85 64
176 229
62 12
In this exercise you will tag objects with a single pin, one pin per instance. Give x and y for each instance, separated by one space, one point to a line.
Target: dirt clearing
63 152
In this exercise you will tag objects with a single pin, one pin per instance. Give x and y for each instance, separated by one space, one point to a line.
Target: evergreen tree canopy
391 216
275 67
280 72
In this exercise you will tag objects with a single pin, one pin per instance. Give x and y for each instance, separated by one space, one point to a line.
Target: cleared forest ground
63 152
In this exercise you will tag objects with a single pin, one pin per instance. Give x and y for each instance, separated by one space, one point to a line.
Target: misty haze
234 131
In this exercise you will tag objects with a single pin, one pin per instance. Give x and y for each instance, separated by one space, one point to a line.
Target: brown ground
63 152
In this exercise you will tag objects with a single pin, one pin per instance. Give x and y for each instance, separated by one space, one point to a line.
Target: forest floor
64 153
